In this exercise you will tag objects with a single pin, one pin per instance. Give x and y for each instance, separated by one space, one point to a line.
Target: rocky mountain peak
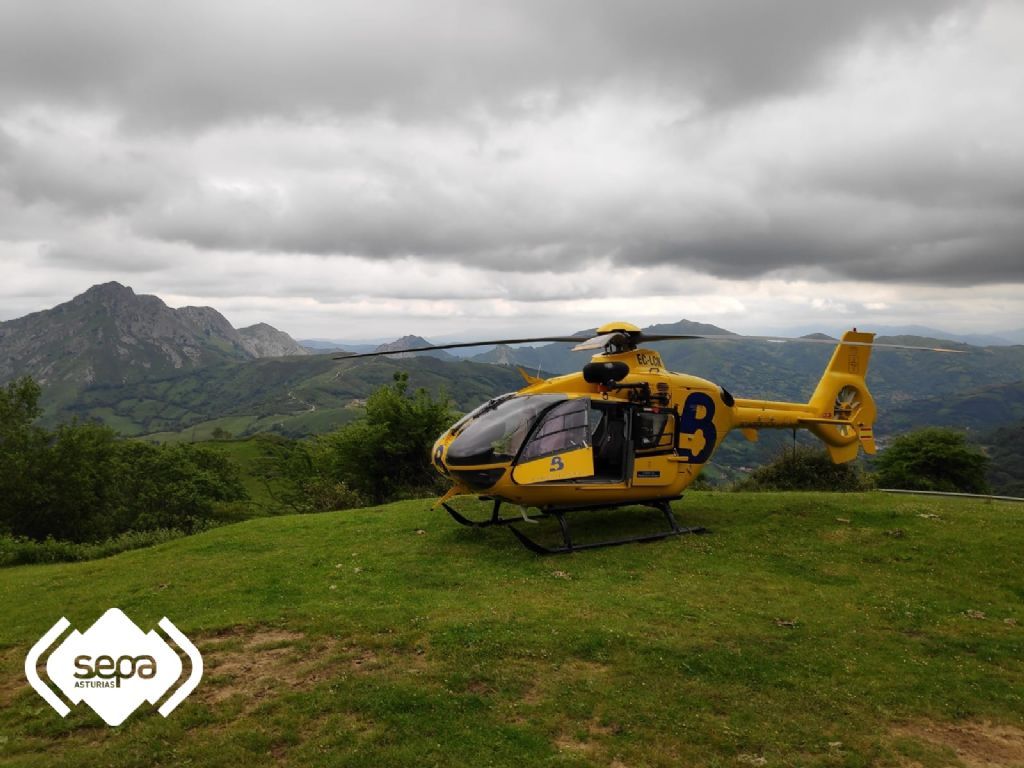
110 289
263 340
406 342
111 335
412 342
210 322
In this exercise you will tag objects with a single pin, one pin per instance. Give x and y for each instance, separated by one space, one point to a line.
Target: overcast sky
464 167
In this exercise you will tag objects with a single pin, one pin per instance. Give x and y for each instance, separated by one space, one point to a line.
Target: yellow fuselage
694 416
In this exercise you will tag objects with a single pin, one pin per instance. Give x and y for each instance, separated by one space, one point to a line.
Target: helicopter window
497 434
564 428
649 431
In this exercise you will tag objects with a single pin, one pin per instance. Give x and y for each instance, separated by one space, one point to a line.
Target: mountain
413 342
319 346
109 335
999 339
262 340
551 358
688 326
974 339
977 410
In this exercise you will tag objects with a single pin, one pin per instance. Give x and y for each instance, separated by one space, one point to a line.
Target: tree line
81 483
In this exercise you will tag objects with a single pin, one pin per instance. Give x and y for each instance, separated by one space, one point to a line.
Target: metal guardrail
949 493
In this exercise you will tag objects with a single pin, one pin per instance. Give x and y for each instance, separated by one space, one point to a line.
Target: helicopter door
653 439
612 449
559 447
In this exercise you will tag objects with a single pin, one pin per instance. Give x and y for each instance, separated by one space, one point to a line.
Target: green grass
787 636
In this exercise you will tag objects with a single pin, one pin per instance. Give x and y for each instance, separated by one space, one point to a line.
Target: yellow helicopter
626 431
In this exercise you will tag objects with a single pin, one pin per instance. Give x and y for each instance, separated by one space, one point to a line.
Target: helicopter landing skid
568 544
496 518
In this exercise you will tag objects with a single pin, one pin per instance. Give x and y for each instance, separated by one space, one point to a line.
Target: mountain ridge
142 367
110 335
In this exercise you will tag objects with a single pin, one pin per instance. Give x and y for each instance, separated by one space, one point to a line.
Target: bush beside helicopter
626 431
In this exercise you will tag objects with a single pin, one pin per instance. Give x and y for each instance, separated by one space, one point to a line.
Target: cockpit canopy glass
496 435
488 406
564 428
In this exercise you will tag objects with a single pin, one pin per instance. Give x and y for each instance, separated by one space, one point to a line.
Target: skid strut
496 518
568 544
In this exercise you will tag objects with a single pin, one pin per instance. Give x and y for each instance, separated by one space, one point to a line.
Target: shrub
386 454
25 551
174 486
932 459
805 469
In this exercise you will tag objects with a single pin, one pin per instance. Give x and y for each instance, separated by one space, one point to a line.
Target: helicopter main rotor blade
597 342
462 344
780 339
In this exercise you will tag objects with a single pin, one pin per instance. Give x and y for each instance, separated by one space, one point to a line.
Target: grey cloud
949 168
74 178
948 247
971 259
408 215
194 63
100 257
905 232
931 207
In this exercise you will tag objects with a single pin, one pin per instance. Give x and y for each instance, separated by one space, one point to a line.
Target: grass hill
806 629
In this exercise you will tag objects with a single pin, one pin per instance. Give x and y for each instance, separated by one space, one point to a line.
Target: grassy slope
351 639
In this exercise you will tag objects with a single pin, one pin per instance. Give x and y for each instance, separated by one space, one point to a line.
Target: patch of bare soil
12 675
977 744
258 663
254 663
594 741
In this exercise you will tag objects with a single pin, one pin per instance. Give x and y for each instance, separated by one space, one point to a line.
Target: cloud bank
464 154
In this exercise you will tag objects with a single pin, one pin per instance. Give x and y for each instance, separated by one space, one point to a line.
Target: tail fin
844 409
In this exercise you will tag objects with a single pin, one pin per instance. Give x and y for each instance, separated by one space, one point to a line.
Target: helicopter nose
439 458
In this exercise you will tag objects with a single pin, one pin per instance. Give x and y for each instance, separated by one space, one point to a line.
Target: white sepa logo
113 667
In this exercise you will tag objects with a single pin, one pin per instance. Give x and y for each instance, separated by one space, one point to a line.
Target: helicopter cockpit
495 432
539 434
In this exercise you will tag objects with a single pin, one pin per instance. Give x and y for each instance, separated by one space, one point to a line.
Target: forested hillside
1005 448
144 369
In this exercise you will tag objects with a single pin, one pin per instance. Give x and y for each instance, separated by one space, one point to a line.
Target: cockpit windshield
490 405
497 434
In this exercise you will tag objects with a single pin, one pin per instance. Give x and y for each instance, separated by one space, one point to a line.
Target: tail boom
841 412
